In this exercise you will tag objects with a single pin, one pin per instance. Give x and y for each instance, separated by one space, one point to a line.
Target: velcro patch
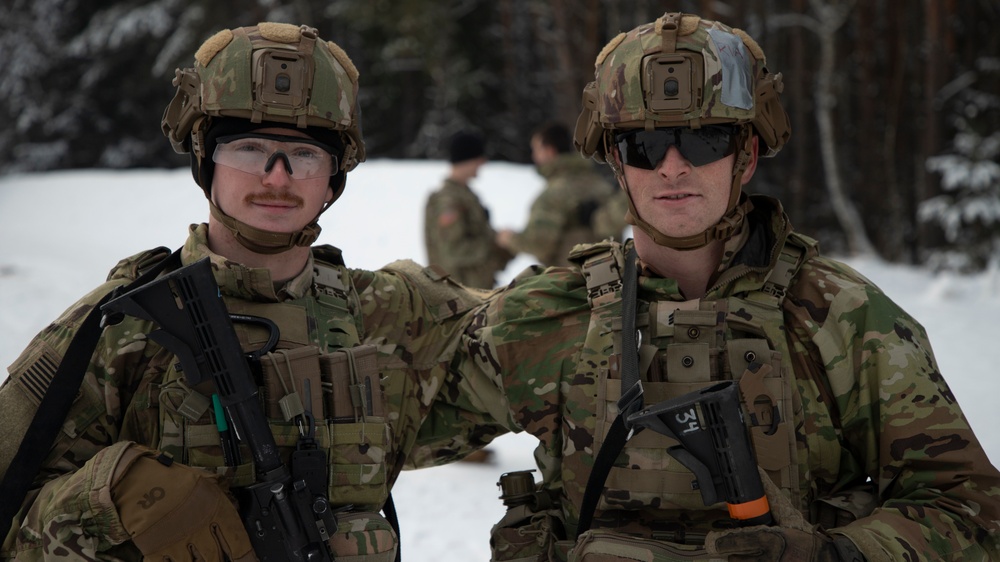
35 369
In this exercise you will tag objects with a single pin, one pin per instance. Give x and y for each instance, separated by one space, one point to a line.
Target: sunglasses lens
646 149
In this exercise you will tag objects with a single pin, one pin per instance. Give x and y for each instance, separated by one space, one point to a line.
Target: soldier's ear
752 162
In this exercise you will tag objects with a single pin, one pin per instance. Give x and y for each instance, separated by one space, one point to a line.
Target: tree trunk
830 19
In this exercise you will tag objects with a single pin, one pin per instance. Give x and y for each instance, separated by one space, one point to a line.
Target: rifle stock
285 519
713 444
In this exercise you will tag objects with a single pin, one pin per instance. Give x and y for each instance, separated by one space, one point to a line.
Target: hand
175 512
792 539
504 238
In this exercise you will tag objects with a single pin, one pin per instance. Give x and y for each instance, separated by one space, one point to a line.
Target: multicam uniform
869 441
374 346
563 214
459 237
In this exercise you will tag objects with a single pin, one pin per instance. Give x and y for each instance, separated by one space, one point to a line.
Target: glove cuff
100 474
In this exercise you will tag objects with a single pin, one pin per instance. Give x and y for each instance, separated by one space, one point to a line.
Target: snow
61 232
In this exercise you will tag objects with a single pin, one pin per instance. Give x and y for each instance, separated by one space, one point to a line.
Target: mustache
269 197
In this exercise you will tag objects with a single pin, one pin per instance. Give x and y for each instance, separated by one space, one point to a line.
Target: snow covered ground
61 232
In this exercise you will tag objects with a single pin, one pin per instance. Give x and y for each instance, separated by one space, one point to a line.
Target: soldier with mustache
350 363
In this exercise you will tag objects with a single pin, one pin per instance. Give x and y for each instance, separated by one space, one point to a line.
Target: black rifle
286 514
715 446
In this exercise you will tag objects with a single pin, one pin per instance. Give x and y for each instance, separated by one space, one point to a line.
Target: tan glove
792 539
175 512
753 544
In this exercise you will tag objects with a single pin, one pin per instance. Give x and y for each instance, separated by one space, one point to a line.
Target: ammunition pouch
600 545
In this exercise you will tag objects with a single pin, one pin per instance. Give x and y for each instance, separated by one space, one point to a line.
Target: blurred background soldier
577 204
457 230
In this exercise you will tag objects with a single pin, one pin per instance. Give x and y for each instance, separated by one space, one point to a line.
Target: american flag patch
36 378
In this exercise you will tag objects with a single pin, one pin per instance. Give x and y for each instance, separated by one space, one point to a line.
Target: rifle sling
37 441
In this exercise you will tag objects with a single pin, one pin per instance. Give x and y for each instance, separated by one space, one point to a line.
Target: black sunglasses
646 149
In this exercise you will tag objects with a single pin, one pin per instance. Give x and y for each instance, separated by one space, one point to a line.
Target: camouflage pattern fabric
563 214
730 68
222 83
871 404
609 219
132 392
459 238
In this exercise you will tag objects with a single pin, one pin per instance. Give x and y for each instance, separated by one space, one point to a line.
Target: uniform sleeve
524 339
417 323
69 505
938 494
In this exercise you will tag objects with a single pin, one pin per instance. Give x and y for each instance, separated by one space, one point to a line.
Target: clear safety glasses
256 154
646 149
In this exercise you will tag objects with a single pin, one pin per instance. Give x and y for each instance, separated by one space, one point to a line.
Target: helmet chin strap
265 241
722 230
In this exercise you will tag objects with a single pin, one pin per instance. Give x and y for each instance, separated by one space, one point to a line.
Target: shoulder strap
630 401
37 441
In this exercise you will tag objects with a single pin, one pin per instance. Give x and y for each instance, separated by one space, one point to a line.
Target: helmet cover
681 71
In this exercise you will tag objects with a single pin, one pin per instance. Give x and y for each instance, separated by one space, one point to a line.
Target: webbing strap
614 442
51 413
630 401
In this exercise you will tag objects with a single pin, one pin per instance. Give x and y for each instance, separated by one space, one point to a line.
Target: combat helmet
683 71
267 75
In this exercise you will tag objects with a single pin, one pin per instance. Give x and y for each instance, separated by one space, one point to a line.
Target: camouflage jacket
871 410
563 214
132 391
459 237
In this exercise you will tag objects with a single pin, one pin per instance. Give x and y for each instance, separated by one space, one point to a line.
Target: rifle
715 446
286 513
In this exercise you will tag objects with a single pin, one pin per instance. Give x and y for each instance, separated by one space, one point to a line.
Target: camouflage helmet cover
272 72
681 71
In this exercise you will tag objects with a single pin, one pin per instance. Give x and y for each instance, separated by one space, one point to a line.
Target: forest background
894 104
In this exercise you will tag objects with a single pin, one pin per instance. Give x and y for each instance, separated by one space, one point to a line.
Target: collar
237 280
748 256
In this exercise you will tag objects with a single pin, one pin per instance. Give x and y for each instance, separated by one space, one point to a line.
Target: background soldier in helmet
269 115
860 446
577 204
457 230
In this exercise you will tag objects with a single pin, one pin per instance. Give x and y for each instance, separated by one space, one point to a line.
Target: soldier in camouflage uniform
364 353
457 230
569 209
862 448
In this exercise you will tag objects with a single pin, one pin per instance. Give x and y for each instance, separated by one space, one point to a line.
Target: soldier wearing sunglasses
861 449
